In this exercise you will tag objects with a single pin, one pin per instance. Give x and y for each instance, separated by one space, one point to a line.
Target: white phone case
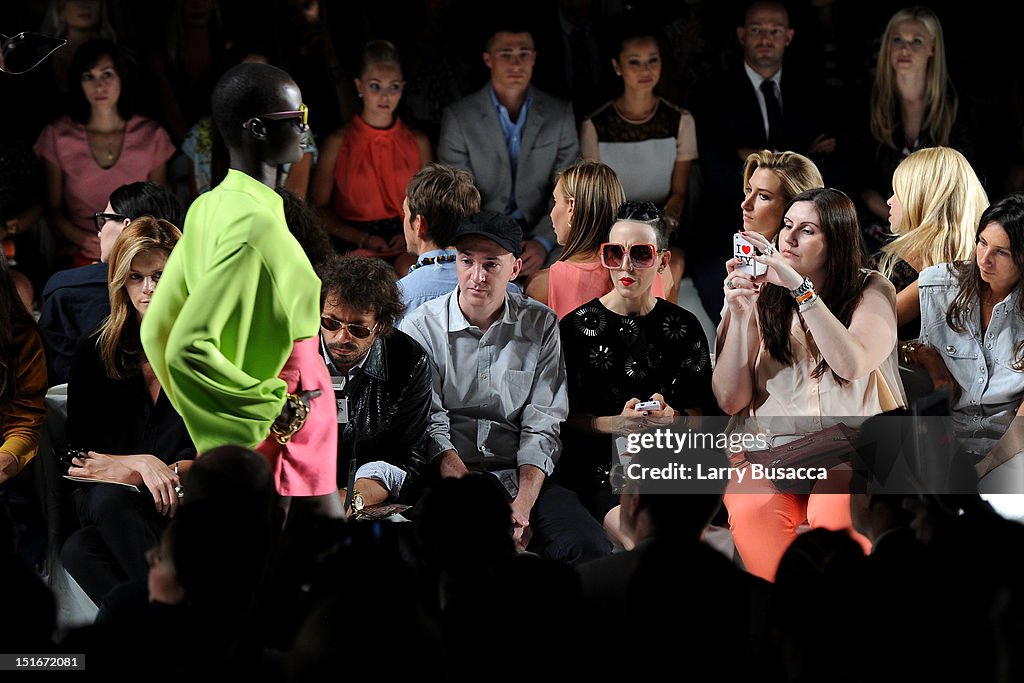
744 250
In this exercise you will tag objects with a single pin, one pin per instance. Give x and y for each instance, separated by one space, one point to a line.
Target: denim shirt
990 389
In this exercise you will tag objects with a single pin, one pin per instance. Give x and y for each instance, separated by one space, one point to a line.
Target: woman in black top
121 426
626 347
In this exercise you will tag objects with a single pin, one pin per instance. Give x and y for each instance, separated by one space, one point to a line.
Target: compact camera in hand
648 405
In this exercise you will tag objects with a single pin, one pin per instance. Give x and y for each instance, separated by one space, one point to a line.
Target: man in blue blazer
513 138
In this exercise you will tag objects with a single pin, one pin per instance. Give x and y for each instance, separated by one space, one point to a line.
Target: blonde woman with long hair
770 180
913 103
934 210
121 428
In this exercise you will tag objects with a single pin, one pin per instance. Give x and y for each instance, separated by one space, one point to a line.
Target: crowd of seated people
482 343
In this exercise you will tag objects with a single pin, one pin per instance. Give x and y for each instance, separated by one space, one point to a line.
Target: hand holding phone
745 252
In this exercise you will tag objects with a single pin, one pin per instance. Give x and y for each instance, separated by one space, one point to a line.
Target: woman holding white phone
624 349
814 337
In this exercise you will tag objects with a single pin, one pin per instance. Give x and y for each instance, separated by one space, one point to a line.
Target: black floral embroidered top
611 358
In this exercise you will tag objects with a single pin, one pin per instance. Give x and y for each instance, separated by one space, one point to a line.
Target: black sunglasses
102 217
355 329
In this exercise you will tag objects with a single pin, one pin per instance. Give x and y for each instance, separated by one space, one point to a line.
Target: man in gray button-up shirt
499 393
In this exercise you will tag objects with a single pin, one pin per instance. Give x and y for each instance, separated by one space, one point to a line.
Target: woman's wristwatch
804 292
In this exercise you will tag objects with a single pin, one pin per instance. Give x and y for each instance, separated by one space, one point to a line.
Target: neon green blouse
235 294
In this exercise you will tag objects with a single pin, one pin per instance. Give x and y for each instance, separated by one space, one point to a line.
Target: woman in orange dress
364 167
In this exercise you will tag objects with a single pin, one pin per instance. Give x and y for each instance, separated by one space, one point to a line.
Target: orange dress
572 284
373 169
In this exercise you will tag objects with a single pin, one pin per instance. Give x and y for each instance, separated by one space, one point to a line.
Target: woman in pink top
586 195
98 148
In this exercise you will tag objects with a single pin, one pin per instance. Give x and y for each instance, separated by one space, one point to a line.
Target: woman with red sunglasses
626 347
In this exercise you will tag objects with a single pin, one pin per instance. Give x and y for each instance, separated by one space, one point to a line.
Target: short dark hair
365 284
648 213
443 195
245 91
144 198
508 21
86 57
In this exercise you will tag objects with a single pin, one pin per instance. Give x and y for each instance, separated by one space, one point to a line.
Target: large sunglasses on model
300 115
614 254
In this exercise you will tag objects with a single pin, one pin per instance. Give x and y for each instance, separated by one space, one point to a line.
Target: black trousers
563 529
118 527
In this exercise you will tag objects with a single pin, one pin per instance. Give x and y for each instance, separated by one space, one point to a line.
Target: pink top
572 284
307 465
87 186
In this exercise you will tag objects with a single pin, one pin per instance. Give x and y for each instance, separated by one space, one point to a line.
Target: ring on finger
768 251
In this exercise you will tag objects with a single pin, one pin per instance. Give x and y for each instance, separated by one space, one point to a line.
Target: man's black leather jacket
389 405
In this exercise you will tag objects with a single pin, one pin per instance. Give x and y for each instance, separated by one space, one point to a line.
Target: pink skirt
307 465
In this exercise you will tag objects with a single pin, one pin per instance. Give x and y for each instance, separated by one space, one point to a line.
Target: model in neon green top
229 308
238 293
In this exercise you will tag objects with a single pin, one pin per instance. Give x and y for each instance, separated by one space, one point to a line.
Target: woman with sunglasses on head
626 347
586 197
972 335
813 337
143 442
98 148
359 184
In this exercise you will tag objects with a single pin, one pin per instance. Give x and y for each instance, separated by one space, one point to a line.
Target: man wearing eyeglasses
513 138
381 381
232 331
498 390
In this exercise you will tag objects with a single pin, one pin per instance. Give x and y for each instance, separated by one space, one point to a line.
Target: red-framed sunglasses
614 254
302 113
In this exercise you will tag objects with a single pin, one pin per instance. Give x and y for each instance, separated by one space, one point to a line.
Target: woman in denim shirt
972 325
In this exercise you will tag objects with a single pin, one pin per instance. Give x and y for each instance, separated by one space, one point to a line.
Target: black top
610 359
117 416
75 302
